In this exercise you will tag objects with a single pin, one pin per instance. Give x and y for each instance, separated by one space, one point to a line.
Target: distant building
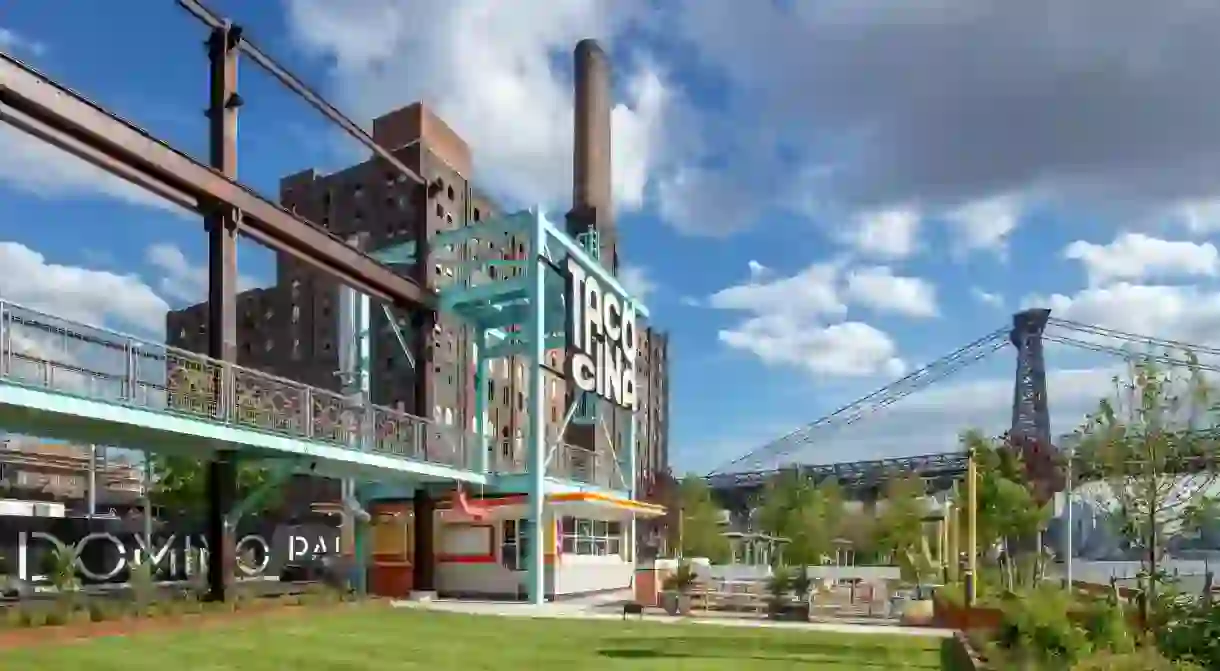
51 471
291 329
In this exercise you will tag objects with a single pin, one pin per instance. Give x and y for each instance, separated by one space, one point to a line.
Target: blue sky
816 196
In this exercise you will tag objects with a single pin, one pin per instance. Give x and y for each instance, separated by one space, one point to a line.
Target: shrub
101 610
1106 625
1147 659
1039 628
1189 631
28 616
681 579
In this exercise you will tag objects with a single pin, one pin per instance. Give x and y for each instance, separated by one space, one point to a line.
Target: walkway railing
565 461
44 351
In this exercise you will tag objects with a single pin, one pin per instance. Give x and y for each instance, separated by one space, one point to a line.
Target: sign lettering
601 338
108 556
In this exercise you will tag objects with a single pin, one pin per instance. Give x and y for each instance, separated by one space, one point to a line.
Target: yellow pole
972 494
955 535
943 550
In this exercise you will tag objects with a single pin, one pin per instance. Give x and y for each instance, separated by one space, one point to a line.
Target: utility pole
971 526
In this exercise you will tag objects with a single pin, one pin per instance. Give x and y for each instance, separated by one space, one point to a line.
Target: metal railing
43 351
565 461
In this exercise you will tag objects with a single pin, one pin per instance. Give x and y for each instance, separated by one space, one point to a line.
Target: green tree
900 522
808 516
1007 506
1141 440
180 483
699 529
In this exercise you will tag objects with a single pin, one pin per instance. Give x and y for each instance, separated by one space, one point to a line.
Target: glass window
591 537
508 546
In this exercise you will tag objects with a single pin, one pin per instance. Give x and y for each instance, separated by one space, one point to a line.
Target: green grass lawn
376 638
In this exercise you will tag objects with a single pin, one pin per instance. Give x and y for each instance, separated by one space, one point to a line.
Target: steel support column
535 332
222 222
423 568
482 462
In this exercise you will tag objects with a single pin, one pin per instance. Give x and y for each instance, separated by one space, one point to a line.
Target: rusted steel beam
290 81
73 123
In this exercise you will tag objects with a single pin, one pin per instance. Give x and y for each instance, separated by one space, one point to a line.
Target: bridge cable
879 399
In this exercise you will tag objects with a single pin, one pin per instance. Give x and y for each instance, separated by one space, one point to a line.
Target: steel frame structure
43 108
59 116
853 474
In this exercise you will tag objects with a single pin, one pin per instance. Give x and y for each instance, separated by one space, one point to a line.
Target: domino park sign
601 339
106 553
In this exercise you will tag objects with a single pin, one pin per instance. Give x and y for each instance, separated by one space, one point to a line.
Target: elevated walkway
69 381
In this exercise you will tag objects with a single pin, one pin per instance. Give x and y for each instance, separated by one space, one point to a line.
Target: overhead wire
875 401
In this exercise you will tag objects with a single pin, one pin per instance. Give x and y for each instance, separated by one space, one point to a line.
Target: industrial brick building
291 329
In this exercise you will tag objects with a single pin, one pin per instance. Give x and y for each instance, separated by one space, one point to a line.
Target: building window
591 537
514 548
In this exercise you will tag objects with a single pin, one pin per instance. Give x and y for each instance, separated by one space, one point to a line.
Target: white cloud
797 321
811 292
984 224
703 202
849 349
493 72
878 288
1135 256
182 280
889 234
1186 313
13 42
37 168
1200 217
637 281
78 294
33 166
988 298
104 298
757 270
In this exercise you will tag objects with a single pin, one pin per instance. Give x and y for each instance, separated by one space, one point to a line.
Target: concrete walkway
589 611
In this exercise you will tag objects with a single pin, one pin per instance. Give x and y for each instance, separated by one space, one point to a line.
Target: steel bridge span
1029 433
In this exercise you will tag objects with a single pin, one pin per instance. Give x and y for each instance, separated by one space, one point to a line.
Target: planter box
949 615
789 610
918 613
675 603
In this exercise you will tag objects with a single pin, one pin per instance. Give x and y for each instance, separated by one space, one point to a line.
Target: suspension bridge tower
1030 434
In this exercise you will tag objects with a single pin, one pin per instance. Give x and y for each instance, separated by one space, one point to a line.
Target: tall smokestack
591 190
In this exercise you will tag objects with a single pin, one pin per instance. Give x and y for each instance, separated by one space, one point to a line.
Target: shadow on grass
902 654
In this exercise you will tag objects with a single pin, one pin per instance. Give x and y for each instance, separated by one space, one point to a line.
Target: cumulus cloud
39 169
497 74
637 281
888 234
127 301
880 289
1135 256
800 319
79 294
1101 104
185 280
988 298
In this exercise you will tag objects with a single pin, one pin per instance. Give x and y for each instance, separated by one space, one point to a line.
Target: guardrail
44 351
